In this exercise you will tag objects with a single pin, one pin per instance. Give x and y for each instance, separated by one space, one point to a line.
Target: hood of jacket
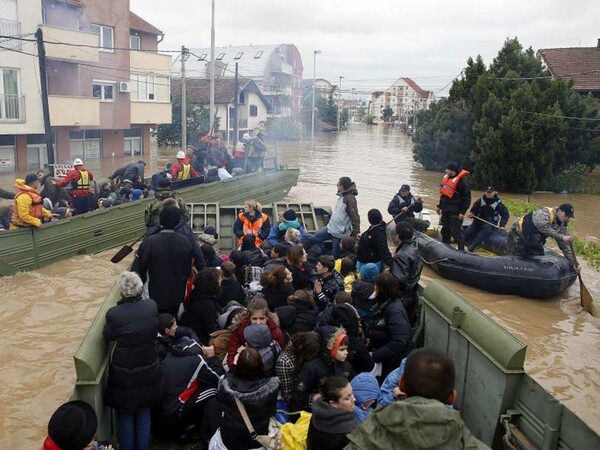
351 190
248 391
258 336
287 316
327 337
329 419
345 316
163 193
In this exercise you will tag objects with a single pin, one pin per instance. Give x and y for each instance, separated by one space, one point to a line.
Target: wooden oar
489 223
125 250
587 301
418 200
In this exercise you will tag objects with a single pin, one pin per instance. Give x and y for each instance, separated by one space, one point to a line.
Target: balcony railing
12 108
10 28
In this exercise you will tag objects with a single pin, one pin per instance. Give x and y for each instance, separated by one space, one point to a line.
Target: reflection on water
46 314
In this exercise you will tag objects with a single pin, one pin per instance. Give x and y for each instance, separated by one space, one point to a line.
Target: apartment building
107 83
404 97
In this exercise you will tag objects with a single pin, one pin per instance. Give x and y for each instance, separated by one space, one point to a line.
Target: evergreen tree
198 121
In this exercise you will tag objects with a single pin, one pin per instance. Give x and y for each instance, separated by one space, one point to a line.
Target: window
10 101
150 88
135 43
258 54
242 98
238 55
85 144
253 110
103 91
220 56
106 40
132 142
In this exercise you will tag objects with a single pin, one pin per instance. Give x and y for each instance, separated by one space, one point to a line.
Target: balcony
150 62
74 39
74 111
150 113
12 108
10 28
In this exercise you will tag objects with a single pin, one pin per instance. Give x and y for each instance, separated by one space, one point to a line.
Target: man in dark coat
164 260
455 199
328 282
404 205
406 268
489 208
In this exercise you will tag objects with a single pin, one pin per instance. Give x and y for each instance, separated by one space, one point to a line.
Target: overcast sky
373 43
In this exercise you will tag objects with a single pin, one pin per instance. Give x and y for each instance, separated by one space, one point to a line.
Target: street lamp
339 104
312 123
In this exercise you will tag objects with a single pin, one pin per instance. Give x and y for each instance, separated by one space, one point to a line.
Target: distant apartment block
107 83
404 97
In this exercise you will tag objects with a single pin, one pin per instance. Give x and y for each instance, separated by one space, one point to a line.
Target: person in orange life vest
455 199
80 180
182 170
27 208
252 221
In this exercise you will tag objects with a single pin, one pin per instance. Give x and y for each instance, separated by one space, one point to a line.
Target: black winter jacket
297 317
331 285
460 201
278 296
301 279
358 355
329 426
259 398
372 246
491 210
134 376
185 229
390 333
231 289
164 343
407 266
399 202
201 315
165 260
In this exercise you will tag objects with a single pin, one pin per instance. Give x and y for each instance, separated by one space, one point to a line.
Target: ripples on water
45 314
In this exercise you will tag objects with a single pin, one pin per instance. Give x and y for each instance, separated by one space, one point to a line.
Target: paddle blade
587 302
126 250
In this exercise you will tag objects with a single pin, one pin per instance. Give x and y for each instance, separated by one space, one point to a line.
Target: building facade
107 83
404 97
276 69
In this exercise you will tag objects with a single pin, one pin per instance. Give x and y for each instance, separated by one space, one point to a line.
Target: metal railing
10 28
12 107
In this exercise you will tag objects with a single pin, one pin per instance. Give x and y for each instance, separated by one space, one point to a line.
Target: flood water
45 314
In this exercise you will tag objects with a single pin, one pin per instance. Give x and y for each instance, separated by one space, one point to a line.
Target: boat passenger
528 234
163 191
258 337
73 426
297 263
455 199
258 312
255 256
302 347
292 237
129 172
252 221
407 266
80 180
164 259
277 286
332 416
134 376
28 209
404 205
363 292
344 220
328 282
257 393
231 289
202 311
390 392
182 170
298 314
372 245
287 220
170 333
423 420
366 391
332 362
278 254
210 256
348 272
389 327
489 208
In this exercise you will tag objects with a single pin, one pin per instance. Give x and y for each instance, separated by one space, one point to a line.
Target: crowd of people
212 347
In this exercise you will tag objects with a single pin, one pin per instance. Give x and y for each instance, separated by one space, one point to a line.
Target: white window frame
19 104
132 38
103 84
100 30
147 86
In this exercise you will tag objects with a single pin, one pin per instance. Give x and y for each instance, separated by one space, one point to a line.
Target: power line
593 130
562 117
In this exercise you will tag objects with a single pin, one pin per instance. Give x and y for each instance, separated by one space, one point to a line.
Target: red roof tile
416 87
582 65
139 24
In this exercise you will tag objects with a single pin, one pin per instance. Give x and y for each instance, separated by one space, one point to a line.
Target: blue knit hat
365 387
368 271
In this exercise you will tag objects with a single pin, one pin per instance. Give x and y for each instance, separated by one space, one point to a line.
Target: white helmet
246 137
180 154
78 162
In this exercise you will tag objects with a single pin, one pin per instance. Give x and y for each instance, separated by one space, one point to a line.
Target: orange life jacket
252 227
448 186
34 211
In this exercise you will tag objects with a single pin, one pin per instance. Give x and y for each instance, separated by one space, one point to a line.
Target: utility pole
236 104
312 121
212 67
184 54
339 104
39 36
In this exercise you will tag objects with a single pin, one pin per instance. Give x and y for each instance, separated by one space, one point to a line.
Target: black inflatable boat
535 277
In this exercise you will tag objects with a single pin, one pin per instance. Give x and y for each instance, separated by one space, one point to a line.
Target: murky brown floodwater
46 314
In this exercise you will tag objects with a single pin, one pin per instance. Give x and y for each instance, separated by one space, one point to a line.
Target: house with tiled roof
581 65
276 69
404 97
253 105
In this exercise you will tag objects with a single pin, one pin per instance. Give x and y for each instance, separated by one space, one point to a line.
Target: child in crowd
363 291
170 334
366 391
259 337
231 289
302 347
258 313
348 272
332 416
328 282
330 363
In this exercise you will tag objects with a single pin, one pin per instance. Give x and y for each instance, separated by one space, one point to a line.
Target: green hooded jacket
414 423
154 207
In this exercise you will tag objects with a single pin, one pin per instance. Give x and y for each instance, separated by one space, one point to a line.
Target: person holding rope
404 205
486 212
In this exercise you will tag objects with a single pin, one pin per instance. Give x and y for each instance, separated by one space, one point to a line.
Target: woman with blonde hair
252 221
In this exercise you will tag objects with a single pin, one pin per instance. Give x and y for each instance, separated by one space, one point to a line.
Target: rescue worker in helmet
80 179
182 169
